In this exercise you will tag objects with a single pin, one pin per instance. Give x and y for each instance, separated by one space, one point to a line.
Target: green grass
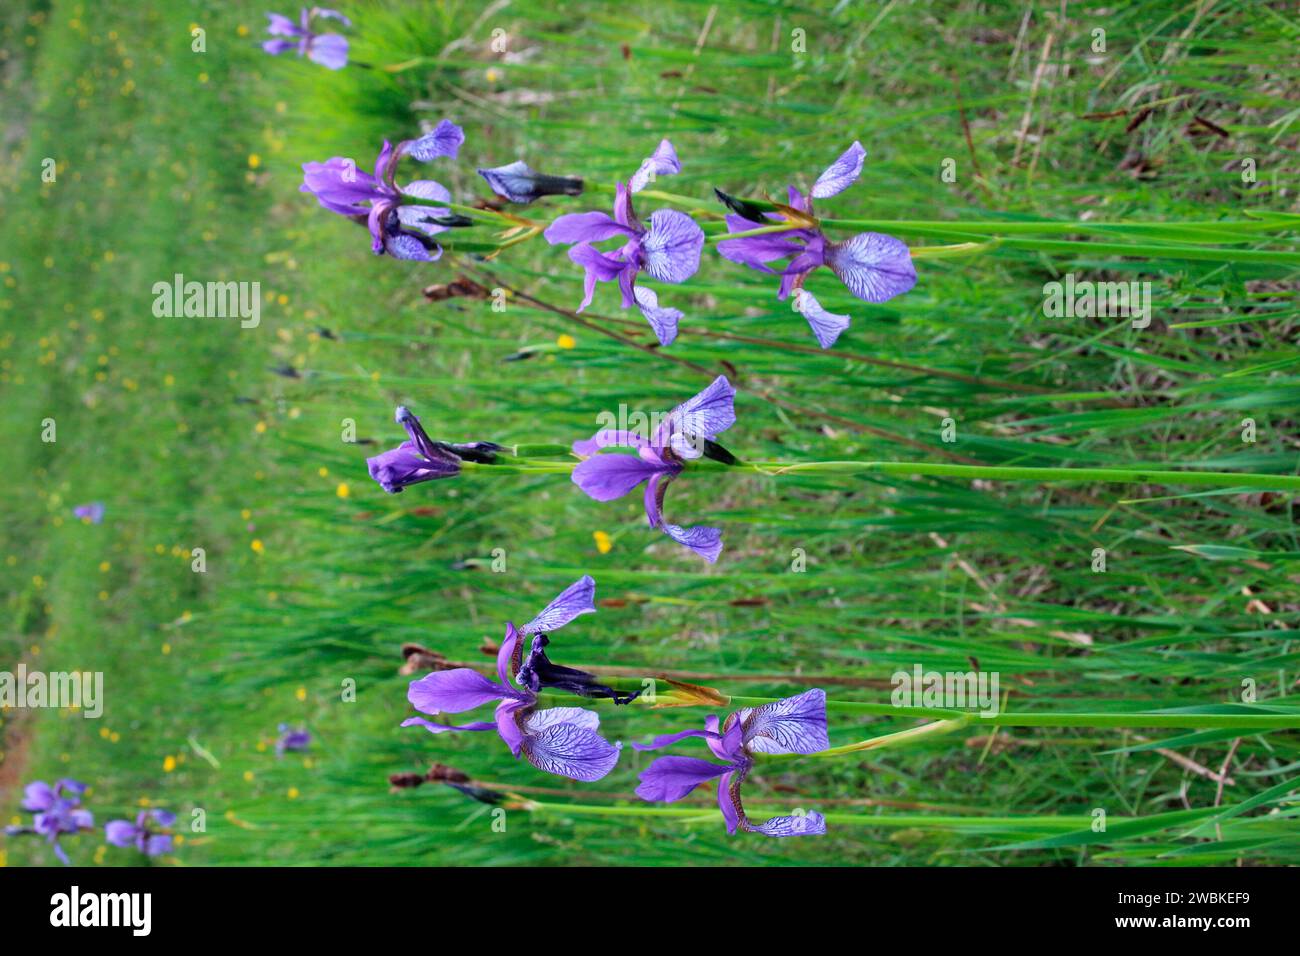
188 433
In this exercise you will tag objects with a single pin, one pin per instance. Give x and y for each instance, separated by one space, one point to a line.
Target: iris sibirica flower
559 740
420 458
668 248
328 49
92 512
57 811
397 227
873 266
687 433
142 834
292 740
794 725
522 184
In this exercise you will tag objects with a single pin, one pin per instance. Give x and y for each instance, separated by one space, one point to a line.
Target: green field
198 433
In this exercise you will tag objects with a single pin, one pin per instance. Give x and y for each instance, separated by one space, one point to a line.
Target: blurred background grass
196 433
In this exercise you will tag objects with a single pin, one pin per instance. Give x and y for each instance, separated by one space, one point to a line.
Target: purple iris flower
292 740
142 834
522 184
328 49
57 811
668 249
92 512
687 432
558 740
873 266
420 458
397 227
794 725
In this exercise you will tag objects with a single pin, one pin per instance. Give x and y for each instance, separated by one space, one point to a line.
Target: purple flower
873 266
522 184
92 512
687 432
794 725
558 740
668 249
420 458
662 162
141 834
328 49
292 740
397 227
57 810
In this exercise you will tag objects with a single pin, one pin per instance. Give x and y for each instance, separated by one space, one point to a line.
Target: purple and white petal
810 823
584 227
570 750
597 267
444 140
454 690
671 247
841 174
163 818
404 246
606 477
875 267
282 26
704 416
793 725
541 720
276 47
330 50
704 541
120 832
578 598
326 14
668 779
157 844
38 796
436 728
662 320
663 162
827 326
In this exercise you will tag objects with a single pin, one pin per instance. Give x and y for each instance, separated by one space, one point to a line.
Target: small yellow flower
603 542
260 428
301 693
323 471
293 793
566 341
166 648
169 763
248 776
254 160
104 566
99 854
114 737
257 545
342 490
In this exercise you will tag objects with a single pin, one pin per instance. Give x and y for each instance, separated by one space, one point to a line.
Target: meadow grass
200 434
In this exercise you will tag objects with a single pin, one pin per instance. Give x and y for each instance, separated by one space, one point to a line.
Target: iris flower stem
914 469
1246 722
